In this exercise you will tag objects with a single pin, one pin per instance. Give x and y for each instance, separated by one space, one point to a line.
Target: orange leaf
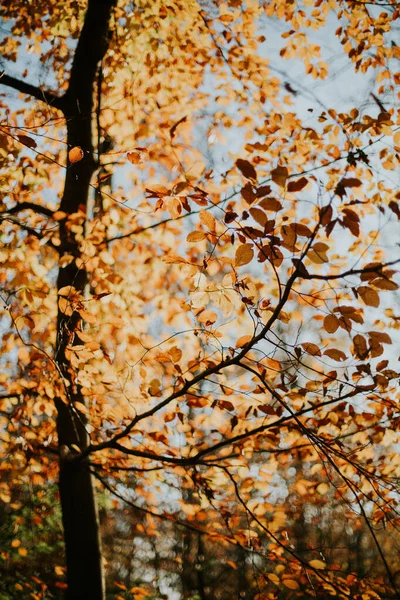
242 341
291 584
312 349
75 154
137 155
335 354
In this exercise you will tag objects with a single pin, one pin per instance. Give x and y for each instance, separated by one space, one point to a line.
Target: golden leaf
243 255
317 564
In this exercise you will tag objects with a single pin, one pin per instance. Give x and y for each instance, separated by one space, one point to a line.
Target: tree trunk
85 577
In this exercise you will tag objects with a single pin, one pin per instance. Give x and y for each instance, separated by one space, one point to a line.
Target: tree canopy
199 225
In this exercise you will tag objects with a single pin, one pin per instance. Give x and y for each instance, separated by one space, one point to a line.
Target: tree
181 324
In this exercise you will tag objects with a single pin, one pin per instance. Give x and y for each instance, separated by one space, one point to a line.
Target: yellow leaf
322 489
396 137
207 219
15 543
22 551
244 255
291 584
274 578
75 154
317 564
196 236
242 341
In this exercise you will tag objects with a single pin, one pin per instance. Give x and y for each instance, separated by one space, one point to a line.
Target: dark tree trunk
85 577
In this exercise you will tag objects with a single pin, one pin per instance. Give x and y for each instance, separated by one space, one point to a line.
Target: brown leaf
248 193
174 126
331 323
380 336
369 296
259 216
270 204
280 175
360 346
298 185
335 354
246 169
27 141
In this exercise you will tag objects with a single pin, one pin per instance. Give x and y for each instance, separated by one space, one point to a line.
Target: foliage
199 281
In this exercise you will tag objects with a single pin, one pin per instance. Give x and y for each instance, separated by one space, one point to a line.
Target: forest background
199 225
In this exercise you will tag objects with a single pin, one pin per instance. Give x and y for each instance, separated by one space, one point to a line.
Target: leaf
331 323
310 348
195 236
360 346
317 564
335 354
207 317
246 169
172 130
369 296
317 253
207 219
291 584
242 341
280 175
380 336
75 154
136 156
298 185
259 216
271 204
244 254
322 489
248 193
27 141
346 182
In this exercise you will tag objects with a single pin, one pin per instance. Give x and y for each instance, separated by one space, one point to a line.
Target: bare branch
32 90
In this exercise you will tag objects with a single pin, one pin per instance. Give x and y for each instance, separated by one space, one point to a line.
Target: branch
32 90
371 269
42 210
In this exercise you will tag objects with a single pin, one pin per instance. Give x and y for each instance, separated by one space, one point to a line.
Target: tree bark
85 577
